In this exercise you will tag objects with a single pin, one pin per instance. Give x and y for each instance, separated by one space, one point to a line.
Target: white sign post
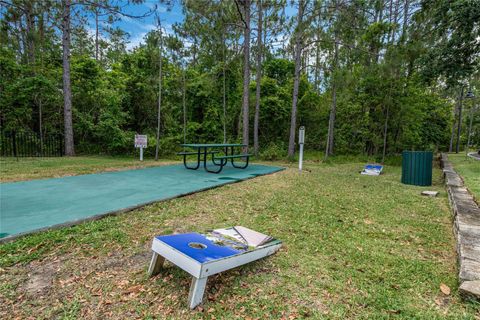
301 141
141 142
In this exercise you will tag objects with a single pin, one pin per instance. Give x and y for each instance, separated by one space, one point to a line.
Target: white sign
301 141
140 141
301 135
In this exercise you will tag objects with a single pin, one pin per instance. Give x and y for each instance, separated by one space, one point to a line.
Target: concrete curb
466 227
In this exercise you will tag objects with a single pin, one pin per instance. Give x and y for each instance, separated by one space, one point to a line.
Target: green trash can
417 168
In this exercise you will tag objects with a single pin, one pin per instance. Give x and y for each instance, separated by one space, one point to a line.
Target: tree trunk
67 90
317 69
385 132
40 124
224 79
472 110
184 106
159 109
331 121
380 19
455 112
459 127
395 20
452 135
30 32
296 80
96 33
392 76
333 110
390 19
246 72
258 78
239 124
41 31
406 8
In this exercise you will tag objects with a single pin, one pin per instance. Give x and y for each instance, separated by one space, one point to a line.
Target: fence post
14 142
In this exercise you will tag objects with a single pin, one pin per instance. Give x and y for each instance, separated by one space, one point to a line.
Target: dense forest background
368 77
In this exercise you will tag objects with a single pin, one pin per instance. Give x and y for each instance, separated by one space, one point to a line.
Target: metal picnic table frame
202 151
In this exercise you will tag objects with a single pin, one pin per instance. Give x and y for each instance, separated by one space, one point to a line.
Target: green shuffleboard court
32 205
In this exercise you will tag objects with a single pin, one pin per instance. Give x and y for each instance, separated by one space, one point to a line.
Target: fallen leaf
445 289
133 289
393 311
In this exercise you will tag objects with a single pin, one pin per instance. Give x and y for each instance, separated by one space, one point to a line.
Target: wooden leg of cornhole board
155 264
197 288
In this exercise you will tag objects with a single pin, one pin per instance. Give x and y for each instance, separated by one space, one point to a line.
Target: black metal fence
26 144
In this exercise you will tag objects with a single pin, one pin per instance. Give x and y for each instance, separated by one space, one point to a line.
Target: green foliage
380 77
454 57
273 152
99 118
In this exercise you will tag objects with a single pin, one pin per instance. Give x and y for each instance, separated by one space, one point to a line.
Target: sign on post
141 142
301 141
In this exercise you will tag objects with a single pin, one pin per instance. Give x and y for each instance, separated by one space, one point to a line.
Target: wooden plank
197 288
177 258
156 264
216 266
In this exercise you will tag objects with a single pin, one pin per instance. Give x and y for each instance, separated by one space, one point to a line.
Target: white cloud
151 6
136 40
138 24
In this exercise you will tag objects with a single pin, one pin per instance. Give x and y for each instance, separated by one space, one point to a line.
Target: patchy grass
12 169
354 247
469 169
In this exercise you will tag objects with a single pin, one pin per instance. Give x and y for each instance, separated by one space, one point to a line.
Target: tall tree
298 36
333 109
245 17
459 127
67 90
258 77
160 71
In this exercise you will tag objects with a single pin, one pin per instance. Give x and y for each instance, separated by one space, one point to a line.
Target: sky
138 28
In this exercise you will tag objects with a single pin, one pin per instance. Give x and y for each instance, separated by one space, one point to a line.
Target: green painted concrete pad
31 205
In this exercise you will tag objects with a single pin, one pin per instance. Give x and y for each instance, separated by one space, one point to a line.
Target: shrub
273 152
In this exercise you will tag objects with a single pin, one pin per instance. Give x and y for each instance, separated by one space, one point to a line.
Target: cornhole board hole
201 256
372 170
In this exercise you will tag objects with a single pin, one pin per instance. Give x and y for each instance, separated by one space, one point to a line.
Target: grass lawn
469 169
12 169
354 247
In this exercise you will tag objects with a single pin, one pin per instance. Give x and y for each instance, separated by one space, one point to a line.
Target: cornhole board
430 193
201 258
372 170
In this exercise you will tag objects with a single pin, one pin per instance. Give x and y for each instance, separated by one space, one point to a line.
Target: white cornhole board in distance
372 170
201 257
430 193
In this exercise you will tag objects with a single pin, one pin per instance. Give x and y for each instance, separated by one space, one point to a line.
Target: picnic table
202 150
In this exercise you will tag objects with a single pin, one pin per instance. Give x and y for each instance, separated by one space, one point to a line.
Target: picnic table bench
202 150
